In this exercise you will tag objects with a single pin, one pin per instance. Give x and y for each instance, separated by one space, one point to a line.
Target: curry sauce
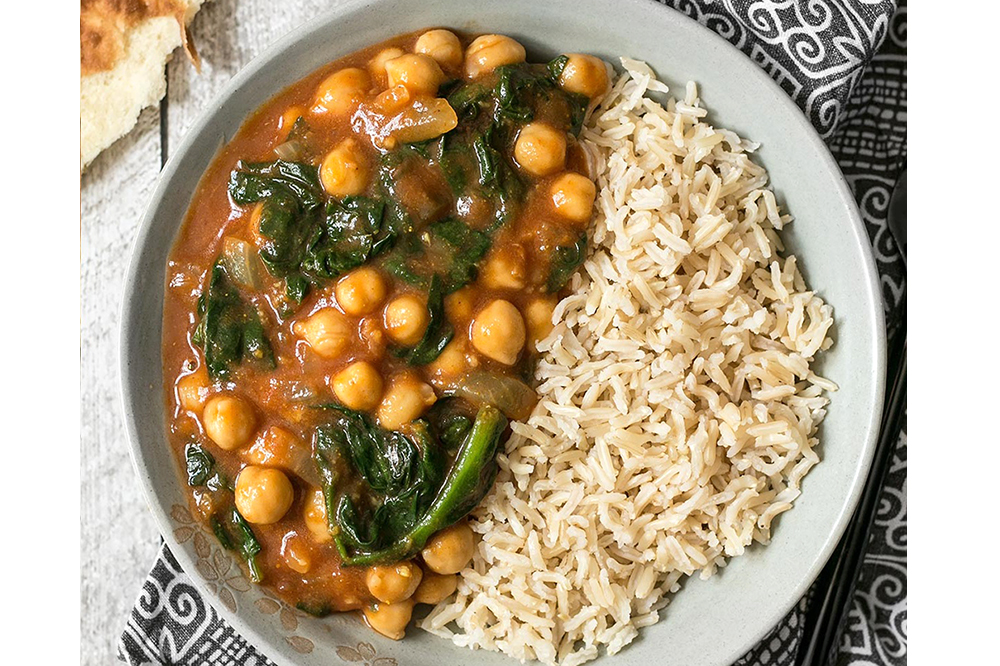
352 306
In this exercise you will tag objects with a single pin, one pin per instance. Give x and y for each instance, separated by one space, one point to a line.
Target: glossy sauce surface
349 337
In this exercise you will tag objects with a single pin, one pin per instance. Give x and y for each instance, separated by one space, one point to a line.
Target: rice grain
677 412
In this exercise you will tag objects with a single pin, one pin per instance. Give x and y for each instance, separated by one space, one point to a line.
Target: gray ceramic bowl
710 622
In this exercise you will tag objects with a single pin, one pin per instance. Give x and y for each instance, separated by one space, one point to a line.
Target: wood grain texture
118 537
229 33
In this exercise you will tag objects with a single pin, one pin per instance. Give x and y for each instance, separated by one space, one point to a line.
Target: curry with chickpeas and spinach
352 309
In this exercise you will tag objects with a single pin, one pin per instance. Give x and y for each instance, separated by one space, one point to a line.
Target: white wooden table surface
119 540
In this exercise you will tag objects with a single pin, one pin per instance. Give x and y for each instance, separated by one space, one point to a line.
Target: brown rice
678 408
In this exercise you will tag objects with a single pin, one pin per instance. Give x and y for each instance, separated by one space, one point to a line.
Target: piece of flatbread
125 45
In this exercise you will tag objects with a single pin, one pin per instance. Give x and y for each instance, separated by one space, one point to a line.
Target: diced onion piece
241 262
392 100
425 119
511 396
290 151
278 447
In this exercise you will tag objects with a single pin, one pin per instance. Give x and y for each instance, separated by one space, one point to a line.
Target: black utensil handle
835 585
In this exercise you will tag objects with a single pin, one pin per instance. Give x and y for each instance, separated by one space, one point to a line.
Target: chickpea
435 588
405 319
450 550
585 75
405 400
358 386
360 291
340 92
538 317
377 64
419 73
192 390
278 447
393 100
498 332
458 305
344 171
540 149
327 331
263 494
229 421
449 364
488 52
392 583
390 620
296 553
505 269
443 46
314 516
573 196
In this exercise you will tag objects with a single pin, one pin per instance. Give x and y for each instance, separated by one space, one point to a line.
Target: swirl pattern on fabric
844 64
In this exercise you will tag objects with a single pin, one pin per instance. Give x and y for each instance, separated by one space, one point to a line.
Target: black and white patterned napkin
844 63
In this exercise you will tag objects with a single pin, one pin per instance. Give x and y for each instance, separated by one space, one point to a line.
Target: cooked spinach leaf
450 421
291 196
325 454
490 114
201 470
564 261
258 181
577 112
520 88
449 248
296 288
401 472
386 460
308 238
200 464
466 246
320 609
439 331
230 330
395 527
397 220
285 229
235 533
370 528
516 89
406 261
498 179
351 233
467 99
397 265
455 430
488 159
556 66
221 533
452 158
471 475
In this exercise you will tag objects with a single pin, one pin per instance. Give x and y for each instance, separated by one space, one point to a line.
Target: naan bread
124 47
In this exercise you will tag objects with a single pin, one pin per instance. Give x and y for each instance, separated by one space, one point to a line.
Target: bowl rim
269 57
